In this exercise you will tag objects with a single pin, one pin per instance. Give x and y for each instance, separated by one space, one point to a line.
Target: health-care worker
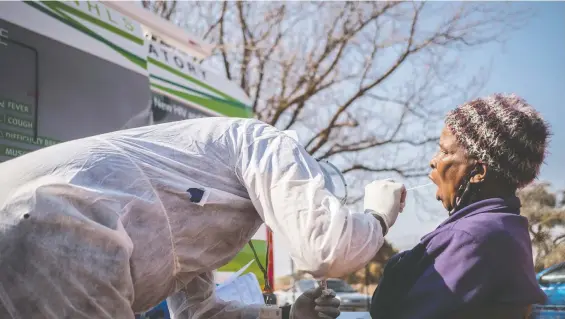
110 225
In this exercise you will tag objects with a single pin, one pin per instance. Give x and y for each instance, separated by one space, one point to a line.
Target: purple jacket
482 258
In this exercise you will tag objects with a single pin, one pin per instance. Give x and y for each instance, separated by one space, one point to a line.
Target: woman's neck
482 192
495 191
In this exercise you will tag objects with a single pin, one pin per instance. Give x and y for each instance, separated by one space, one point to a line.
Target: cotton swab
419 186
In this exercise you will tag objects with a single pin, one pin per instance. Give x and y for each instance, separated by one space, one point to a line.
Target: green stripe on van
189 78
61 6
211 104
55 13
210 96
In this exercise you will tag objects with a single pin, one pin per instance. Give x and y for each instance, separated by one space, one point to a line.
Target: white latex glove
313 305
385 198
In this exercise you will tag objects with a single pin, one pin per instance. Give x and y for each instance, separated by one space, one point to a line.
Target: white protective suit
109 225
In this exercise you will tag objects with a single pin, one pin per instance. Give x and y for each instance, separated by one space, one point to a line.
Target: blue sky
531 64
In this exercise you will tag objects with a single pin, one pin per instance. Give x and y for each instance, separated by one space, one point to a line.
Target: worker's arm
287 188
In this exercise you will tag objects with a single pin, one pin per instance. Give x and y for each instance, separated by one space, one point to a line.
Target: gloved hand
312 303
386 199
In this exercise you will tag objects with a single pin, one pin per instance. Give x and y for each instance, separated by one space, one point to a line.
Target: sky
531 63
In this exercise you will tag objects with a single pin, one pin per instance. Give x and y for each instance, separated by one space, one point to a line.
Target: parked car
552 282
351 299
547 312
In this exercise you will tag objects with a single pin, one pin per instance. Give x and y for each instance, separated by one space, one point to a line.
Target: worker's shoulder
222 124
246 128
205 131
211 121
197 129
248 123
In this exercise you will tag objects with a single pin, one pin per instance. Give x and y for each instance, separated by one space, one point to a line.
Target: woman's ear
480 172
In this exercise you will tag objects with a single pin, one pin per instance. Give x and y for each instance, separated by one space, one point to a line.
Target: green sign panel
16 107
10 151
26 138
15 121
17 127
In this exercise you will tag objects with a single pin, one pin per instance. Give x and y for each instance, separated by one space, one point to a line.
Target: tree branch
314 83
248 38
227 66
370 143
323 136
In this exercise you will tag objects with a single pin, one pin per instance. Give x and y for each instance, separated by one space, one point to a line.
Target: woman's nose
433 163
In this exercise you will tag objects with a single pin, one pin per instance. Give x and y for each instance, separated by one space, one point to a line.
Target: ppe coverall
108 226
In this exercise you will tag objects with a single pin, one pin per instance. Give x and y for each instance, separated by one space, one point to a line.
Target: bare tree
546 218
365 84
162 8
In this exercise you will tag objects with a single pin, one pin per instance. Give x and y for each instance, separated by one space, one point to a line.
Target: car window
340 286
304 285
555 276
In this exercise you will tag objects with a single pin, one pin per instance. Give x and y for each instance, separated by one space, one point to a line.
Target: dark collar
508 205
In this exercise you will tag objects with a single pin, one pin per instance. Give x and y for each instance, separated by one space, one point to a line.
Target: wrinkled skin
450 166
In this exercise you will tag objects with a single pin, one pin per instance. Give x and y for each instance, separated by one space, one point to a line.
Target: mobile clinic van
74 69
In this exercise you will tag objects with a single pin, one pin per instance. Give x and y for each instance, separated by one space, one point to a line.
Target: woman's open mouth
437 193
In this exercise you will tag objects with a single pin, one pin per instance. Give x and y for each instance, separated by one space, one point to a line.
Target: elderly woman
478 262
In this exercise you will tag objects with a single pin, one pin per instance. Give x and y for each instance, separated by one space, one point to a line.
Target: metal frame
345 196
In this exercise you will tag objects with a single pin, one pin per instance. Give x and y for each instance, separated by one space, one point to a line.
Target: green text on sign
16 121
11 151
28 139
15 106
